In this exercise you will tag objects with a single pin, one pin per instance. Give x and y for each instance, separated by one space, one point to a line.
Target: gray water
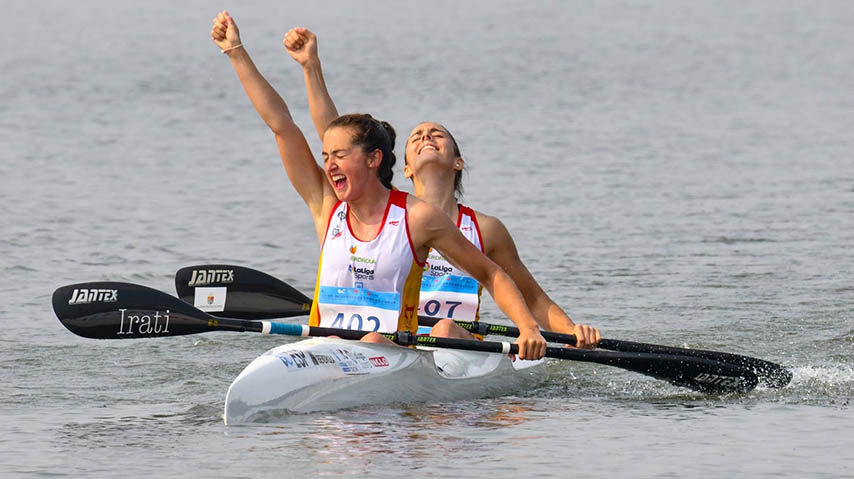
673 172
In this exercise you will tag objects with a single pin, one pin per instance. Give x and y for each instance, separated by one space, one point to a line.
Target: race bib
359 309
449 296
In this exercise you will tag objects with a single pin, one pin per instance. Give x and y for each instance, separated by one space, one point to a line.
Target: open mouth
428 147
338 181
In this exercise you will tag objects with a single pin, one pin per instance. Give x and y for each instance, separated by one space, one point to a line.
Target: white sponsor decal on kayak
144 323
717 379
379 361
295 360
85 295
211 300
319 358
202 277
352 362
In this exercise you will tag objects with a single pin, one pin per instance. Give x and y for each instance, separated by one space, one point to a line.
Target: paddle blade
771 375
249 294
699 374
114 310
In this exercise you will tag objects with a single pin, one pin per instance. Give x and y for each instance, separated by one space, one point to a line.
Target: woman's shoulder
486 223
493 234
419 210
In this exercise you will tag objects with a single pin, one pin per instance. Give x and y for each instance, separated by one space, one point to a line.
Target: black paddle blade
114 310
699 374
250 294
771 375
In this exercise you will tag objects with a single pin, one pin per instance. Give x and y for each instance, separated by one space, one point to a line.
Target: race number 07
432 307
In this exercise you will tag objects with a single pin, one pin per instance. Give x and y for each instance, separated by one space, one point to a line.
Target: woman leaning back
363 226
434 164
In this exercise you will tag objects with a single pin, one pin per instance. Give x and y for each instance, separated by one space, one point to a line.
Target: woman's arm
500 247
307 177
301 44
431 228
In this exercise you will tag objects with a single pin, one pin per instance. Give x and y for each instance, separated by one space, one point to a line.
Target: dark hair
372 134
458 177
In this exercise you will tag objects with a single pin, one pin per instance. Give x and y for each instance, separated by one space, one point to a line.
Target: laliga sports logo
210 299
361 272
440 270
85 296
426 266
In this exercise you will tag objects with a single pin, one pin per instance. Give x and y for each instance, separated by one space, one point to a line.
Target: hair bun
389 130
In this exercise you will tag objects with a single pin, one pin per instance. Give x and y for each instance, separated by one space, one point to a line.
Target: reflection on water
413 431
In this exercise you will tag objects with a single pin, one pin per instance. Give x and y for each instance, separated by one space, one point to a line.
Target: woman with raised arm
374 241
434 164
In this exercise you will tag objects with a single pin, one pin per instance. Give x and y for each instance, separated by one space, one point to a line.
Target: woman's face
346 165
430 143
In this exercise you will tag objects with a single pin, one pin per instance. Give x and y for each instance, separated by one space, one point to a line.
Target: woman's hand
301 45
224 32
586 337
531 344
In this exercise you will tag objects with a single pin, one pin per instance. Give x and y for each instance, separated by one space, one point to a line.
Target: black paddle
113 310
256 295
273 296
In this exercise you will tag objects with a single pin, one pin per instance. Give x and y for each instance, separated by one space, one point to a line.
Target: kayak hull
326 374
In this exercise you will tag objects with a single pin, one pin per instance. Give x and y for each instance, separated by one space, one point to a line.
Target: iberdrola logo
359 259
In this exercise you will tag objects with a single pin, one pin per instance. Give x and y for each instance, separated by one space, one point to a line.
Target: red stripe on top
329 222
473 216
382 224
401 201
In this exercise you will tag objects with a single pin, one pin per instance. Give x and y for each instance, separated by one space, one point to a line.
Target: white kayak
323 374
